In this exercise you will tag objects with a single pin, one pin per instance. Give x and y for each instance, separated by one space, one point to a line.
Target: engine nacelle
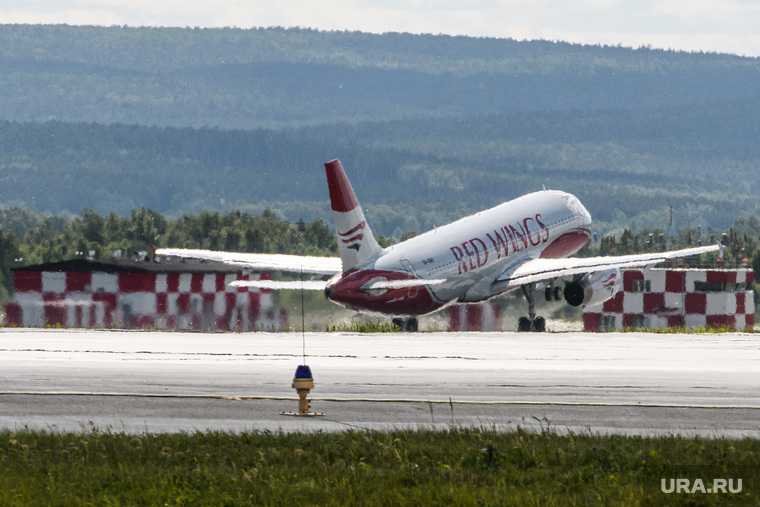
594 288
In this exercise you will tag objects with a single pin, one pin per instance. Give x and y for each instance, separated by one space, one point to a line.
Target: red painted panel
615 304
750 278
716 277
721 321
728 277
162 304
566 245
220 282
27 281
750 319
654 302
78 282
455 323
474 317
676 321
230 300
696 302
591 322
741 302
196 283
675 281
137 282
342 197
14 315
55 311
107 298
496 311
92 322
183 303
222 324
172 282
254 306
629 319
629 277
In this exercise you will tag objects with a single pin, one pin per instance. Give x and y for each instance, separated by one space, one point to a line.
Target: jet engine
593 288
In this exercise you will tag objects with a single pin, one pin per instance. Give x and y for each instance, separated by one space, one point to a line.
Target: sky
730 26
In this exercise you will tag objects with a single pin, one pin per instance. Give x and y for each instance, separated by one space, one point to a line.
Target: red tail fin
356 243
342 197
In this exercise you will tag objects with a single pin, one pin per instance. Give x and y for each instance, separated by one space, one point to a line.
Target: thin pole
303 321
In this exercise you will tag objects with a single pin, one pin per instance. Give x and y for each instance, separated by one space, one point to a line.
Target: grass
357 326
457 467
684 330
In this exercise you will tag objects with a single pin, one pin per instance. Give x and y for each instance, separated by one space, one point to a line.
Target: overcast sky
717 25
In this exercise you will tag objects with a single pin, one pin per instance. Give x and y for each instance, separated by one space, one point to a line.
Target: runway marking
246 397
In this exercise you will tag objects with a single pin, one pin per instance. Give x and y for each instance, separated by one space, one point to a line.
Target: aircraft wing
537 270
262 262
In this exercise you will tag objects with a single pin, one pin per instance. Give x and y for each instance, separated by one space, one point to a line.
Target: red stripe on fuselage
408 301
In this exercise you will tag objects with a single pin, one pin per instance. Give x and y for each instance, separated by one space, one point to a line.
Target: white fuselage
470 255
479 247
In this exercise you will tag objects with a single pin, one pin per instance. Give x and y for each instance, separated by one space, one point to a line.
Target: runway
631 383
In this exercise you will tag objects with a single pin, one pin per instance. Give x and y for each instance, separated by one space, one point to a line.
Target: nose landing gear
531 322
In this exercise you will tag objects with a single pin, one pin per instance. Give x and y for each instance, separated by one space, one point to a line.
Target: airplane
516 245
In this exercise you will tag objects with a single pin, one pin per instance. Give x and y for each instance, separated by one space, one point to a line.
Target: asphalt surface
630 383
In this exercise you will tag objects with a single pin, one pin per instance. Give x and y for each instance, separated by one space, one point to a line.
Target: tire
412 325
539 325
523 325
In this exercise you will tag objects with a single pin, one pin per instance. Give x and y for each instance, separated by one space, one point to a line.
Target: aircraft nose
578 209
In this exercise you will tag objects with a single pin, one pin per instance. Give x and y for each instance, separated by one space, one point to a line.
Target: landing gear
531 322
409 325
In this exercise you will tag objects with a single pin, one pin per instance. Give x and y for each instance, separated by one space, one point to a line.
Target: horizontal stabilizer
260 262
281 284
400 284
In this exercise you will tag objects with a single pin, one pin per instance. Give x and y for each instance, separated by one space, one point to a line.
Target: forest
29 238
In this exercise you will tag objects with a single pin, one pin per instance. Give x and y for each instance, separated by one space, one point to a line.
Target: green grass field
457 467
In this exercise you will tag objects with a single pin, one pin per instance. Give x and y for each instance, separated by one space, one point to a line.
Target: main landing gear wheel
409 325
531 322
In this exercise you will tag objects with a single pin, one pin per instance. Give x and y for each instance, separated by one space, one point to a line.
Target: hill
235 78
429 127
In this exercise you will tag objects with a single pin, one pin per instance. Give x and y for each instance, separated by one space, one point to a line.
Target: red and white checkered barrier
475 317
187 301
678 298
